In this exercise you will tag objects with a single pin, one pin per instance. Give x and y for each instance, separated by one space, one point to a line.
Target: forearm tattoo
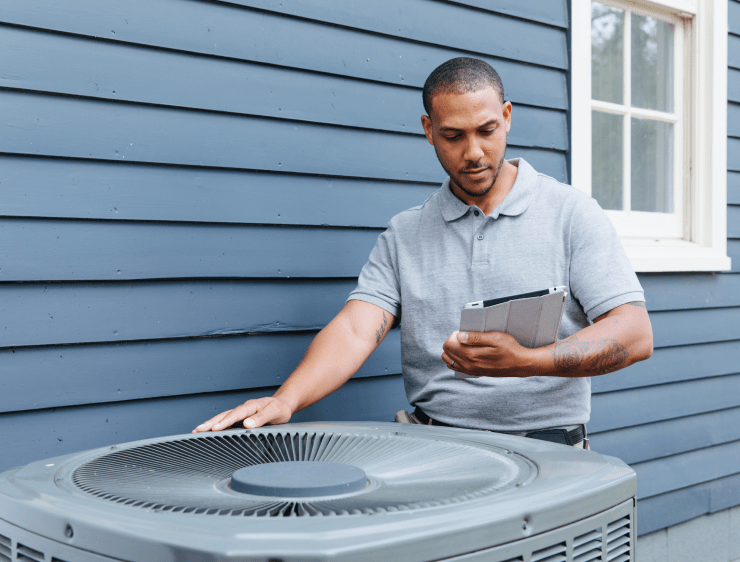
381 331
599 357
638 304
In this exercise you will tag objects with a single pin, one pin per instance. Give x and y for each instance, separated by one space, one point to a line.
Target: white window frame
703 246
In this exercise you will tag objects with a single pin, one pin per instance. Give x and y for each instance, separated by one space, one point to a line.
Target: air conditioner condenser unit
320 492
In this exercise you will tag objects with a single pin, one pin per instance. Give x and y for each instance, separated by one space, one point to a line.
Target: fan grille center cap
298 479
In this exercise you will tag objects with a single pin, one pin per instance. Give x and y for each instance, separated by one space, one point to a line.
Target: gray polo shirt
434 258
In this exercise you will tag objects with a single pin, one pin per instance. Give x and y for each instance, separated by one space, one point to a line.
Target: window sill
664 255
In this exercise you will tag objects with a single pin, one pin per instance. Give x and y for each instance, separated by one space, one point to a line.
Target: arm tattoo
638 304
380 332
599 357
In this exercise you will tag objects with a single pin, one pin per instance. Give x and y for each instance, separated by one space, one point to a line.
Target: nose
473 151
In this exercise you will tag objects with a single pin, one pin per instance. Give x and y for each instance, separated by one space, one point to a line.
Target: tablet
532 318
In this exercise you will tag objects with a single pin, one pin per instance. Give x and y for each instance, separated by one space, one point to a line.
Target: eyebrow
486 124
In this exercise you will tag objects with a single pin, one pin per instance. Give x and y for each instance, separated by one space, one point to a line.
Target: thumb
475 338
467 338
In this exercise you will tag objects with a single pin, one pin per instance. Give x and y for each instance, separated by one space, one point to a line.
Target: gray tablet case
532 318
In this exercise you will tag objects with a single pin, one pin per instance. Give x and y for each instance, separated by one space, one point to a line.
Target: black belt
555 435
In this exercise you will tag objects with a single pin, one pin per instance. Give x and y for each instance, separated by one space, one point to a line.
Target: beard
470 192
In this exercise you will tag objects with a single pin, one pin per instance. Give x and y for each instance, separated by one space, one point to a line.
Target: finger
207 425
448 359
478 338
237 414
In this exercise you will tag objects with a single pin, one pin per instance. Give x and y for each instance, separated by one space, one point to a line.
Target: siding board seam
192 223
235 334
219 168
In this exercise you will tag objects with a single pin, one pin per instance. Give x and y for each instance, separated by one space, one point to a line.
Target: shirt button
476 213
480 237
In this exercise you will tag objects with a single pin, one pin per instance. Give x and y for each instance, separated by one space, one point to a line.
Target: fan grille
191 475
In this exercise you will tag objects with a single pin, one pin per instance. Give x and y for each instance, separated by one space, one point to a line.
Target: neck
501 188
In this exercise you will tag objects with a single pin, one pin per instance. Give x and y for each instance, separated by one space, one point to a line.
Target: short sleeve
378 283
601 276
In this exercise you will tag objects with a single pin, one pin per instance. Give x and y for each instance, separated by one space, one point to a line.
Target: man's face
468 132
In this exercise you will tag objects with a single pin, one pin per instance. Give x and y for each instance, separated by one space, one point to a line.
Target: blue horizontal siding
686 291
733 17
551 12
733 188
100 373
669 437
72 188
733 119
695 326
41 314
733 154
733 221
628 408
733 51
62 126
67 127
733 250
421 20
219 30
61 250
687 469
674 364
62 313
733 85
687 503
38 434
104 70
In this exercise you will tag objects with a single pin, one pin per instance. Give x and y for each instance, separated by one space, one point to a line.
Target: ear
507 107
426 122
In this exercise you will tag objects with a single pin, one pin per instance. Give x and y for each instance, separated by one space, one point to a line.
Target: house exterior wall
189 189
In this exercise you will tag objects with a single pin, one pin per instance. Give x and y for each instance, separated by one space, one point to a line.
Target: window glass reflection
607 53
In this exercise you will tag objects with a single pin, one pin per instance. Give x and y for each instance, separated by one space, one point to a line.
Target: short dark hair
460 76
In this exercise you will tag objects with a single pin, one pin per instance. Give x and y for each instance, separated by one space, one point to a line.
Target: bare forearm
335 354
616 340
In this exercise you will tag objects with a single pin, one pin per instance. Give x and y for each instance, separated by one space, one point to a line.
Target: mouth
474 171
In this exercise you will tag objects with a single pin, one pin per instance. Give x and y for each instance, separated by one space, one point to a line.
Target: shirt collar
515 202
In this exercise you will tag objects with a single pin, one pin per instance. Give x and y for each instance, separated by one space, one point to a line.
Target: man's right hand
268 410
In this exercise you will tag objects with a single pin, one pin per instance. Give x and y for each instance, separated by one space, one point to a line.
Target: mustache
477 166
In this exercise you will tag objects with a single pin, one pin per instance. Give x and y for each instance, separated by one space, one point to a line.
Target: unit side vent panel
5 546
555 553
27 554
587 548
618 541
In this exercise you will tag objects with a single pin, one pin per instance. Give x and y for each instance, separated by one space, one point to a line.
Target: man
495 228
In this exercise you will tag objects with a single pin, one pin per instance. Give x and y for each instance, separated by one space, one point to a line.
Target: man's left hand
486 354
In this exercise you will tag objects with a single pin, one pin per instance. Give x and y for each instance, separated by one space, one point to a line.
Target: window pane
606 159
652 63
652 166
607 53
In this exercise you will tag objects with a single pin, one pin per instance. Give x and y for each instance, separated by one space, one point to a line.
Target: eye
487 131
452 137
